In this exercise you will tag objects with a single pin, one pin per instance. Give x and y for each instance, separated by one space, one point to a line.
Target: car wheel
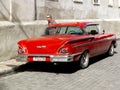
84 60
111 50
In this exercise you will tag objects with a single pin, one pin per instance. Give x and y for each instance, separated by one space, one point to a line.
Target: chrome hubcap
85 59
112 50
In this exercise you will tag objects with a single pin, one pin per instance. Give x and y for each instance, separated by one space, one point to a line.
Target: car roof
79 24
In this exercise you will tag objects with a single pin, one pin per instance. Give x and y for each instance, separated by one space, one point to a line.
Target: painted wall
4 10
30 10
23 10
63 9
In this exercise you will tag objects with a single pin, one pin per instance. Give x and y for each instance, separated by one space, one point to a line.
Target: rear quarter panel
101 43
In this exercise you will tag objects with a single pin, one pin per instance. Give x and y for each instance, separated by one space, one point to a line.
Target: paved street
102 74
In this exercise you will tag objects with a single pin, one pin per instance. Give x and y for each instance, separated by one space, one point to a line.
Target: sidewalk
9 66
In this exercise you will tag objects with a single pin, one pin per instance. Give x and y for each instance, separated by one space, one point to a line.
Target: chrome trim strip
94 42
81 39
35 55
49 55
76 40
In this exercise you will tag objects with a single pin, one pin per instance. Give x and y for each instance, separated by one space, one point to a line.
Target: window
110 3
90 28
74 30
62 30
119 3
53 0
78 1
96 2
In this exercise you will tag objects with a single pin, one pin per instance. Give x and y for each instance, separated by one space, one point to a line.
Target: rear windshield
64 30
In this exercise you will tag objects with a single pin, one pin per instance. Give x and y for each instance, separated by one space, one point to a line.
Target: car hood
47 44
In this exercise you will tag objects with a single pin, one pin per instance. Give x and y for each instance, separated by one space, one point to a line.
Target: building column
35 6
10 10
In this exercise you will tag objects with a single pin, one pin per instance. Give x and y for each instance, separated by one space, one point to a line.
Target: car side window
89 28
51 31
62 30
74 30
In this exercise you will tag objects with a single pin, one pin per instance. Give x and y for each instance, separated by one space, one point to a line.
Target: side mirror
93 32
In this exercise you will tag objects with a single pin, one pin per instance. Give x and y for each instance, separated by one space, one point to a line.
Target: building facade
30 10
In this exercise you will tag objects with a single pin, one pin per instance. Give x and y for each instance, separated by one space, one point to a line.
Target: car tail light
21 50
65 50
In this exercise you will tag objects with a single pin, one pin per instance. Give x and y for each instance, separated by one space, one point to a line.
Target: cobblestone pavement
102 74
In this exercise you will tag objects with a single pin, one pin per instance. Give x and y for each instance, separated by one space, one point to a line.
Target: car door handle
90 39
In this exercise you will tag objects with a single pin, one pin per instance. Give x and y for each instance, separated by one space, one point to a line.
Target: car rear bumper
48 58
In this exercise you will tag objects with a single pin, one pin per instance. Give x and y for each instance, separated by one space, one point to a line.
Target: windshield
64 30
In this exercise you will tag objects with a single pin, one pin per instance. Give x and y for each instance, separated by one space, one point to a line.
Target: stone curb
7 71
9 66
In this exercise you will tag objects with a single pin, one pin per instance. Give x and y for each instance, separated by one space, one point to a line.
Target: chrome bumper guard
61 58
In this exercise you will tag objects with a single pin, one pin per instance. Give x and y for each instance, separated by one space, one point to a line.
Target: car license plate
39 58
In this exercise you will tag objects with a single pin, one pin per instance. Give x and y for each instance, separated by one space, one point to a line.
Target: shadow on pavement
99 58
48 67
60 68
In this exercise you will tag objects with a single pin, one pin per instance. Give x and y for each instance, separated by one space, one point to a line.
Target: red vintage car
68 42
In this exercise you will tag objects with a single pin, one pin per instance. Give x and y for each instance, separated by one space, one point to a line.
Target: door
97 44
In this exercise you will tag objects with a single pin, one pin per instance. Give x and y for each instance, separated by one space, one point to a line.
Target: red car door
104 42
98 44
95 46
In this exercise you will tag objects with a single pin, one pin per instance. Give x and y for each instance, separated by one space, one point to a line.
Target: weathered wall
40 8
4 10
63 9
30 10
23 10
11 33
